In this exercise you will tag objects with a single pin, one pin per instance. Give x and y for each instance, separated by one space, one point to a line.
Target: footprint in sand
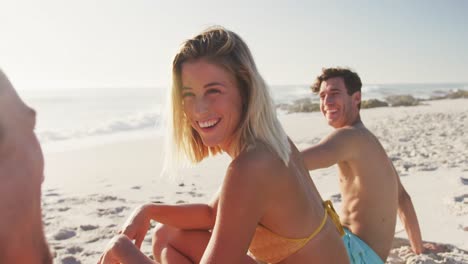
63 209
58 247
72 200
64 234
92 240
194 194
105 198
461 198
408 165
70 260
313 141
47 218
464 180
88 227
111 211
157 199
74 250
91 253
458 204
335 198
428 168
51 194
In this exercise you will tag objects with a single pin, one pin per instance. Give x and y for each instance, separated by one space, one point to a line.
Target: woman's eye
187 94
213 91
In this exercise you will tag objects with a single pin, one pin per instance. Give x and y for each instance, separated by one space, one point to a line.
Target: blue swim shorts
358 251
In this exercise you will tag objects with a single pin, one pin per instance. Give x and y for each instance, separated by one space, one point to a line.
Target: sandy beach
89 191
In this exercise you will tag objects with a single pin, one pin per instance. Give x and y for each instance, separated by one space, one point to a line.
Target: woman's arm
187 216
242 203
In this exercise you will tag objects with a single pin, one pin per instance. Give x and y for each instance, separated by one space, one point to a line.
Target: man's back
369 189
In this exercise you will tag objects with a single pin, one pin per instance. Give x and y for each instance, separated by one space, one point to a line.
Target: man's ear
356 98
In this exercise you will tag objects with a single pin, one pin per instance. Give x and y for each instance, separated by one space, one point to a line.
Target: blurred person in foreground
21 175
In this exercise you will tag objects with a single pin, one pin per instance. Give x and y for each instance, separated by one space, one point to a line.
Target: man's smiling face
339 108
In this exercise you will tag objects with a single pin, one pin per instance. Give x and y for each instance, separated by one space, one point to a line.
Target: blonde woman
268 209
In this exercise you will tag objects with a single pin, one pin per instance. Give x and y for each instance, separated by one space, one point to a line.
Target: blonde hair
226 49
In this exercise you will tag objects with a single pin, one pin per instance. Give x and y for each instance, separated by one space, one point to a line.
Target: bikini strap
334 216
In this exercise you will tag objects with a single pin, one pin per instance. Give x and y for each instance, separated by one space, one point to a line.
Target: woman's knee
189 243
161 237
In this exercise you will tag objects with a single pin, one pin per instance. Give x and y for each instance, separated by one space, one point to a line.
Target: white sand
89 191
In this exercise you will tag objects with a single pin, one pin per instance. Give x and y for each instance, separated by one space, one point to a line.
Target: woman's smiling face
212 102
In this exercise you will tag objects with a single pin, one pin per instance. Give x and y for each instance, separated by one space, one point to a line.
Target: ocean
92 116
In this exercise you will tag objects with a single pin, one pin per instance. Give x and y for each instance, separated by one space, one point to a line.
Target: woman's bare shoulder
258 165
258 157
250 179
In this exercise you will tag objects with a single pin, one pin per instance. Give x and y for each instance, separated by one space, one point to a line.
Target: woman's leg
171 255
172 245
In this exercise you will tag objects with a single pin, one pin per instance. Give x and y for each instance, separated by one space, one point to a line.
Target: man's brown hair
351 79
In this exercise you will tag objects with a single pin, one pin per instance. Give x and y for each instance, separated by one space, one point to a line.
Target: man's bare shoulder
349 142
356 131
348 134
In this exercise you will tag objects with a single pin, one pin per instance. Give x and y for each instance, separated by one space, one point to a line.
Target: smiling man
21 174
370 186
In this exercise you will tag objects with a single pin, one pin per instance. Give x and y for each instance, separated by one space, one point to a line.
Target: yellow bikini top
270 247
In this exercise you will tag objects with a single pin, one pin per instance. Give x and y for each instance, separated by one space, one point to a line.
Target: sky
131 43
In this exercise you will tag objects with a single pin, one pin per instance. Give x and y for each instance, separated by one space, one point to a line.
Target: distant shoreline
308 105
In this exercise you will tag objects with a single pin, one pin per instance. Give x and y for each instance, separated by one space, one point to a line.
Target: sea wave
371 88
289 93
135 122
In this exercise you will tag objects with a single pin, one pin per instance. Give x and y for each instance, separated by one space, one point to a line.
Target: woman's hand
137 225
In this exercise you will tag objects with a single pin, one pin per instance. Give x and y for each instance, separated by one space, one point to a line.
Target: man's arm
408 217
336 147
